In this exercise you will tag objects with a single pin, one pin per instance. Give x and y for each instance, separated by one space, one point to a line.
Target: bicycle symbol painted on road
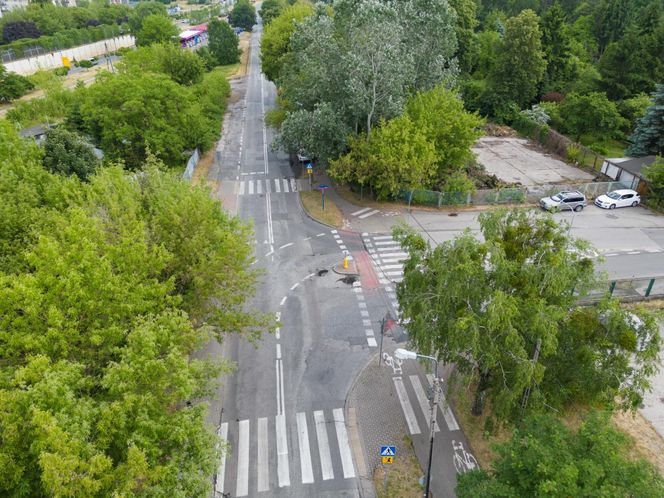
463 461
393 362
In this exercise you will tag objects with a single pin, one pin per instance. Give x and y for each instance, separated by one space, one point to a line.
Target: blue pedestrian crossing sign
388 450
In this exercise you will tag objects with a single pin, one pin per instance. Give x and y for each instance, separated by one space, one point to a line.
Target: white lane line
372 342
344 446
307 238
336 236
408 412
277 185
356 213
394 273
278 351
333 231
285 184
362 305
259 186
293 185
270 229
251 186
281 381
342 247
323 446
320 235
366 323
369 332
444 406
357 284
295 286
391 267
393 254
283 300
370 213
360 296
391 260
364 313
286 245
277 379
221 471
242 488
634 252
382 237
283 472
357 289
611 254
305 452
422 399
242 185
261 462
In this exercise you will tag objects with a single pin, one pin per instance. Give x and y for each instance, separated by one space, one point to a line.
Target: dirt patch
311 201
496 130
202 171
402 475
648 444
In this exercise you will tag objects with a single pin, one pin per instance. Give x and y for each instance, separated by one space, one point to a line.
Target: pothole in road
320 273
453 214
348 279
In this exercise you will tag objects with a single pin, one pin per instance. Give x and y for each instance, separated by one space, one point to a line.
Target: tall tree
143 10
545 458
466 23
243 15
275 42
487 306
648 137
270 9
520 66
182 66
592 113
223 42
556 46
156 29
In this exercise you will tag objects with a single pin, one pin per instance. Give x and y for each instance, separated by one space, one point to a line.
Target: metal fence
191 166
630 289
511 195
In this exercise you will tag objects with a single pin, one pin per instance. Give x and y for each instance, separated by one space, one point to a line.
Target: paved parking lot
516 160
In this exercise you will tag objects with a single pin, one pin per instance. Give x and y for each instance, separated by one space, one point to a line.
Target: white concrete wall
54 59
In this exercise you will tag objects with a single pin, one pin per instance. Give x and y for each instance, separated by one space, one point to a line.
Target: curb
299 201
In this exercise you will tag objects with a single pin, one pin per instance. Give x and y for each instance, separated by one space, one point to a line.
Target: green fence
420 197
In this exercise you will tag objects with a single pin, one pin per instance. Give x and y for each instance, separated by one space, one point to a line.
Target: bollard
345 262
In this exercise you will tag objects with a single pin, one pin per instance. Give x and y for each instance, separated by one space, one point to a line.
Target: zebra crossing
264 185
262 444
387 256
404 385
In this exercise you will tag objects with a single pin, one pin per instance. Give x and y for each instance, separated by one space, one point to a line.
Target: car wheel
612 206
578 208
635 203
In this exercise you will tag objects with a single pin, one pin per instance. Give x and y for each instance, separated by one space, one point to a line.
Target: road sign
387 460
310 170
322 186
388 451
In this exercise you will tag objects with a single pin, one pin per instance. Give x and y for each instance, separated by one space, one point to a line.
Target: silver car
572 200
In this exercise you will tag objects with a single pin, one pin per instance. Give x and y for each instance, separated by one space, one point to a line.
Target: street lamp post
404 354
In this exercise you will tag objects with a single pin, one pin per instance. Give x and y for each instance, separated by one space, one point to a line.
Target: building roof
636 164
193 31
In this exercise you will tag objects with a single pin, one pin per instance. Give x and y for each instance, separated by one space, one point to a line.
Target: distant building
195 37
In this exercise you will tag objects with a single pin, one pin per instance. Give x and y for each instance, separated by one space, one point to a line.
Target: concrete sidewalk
389 402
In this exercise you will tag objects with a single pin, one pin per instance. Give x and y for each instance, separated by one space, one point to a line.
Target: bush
61 71
573 154
86 63
67 154
12 85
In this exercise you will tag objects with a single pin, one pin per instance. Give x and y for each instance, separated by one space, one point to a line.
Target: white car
618 198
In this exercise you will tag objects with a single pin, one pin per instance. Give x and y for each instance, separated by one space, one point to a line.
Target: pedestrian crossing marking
263 186
323 446
305 453
242 488
282 452
344 446
411 419
263 480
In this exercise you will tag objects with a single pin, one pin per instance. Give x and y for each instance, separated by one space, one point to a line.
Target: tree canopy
156 28
243 15
182 66
223 42
66 153
270 9
491 306
546 458
648 137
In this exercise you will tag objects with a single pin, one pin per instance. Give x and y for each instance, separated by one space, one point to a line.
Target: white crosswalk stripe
387 256
411 419
261 186
260 449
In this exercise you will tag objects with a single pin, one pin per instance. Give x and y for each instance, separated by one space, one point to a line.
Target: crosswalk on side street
322 452
387 256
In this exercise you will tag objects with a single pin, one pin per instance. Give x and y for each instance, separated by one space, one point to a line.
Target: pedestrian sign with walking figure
388 451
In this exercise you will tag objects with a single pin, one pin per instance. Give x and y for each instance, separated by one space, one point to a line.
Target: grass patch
402 475
230 71
311 201
202 171
239 68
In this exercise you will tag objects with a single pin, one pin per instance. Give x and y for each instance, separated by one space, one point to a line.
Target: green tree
452 130
143 10
270 9
128 114
66 153
556 46
486 305
156 29
545 458
466 23
654 173
223 42
275 42
12 85
182 66
243 15
397 156
592 114
520 61
648 137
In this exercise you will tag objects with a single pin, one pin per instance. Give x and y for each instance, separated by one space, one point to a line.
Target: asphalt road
283 409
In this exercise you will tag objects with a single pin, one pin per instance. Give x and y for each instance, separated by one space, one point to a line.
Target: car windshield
613 195
558 197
